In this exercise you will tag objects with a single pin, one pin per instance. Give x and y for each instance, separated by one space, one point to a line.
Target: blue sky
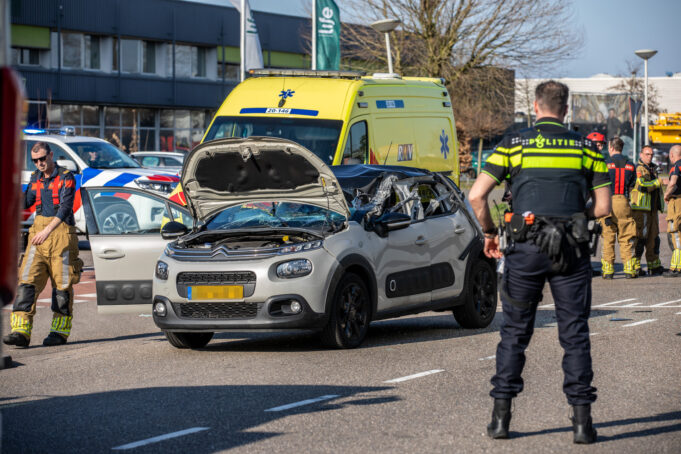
613 30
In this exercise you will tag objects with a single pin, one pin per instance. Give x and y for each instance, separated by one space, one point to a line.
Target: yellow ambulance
346 118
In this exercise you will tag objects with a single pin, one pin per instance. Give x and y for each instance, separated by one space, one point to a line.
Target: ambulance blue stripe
390 104
121 180
263 110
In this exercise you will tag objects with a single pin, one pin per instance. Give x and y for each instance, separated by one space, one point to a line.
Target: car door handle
420 241
459 229
110 254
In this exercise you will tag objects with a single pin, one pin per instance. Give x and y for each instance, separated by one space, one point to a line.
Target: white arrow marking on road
668 302
149 441
411 377
615 302
303 402
640 323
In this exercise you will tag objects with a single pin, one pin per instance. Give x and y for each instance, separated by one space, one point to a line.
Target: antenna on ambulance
385 26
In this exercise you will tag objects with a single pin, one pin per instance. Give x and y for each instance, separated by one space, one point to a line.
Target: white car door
449 235
124 226
402 268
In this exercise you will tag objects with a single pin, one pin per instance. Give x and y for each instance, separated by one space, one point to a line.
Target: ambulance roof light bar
307 73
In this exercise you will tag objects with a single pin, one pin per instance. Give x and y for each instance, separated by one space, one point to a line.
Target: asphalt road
418 384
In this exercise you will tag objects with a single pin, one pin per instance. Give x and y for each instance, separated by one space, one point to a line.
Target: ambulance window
356 146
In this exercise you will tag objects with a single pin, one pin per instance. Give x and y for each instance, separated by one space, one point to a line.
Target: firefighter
552 172
598 139
52 251
619 224
673 198
646 201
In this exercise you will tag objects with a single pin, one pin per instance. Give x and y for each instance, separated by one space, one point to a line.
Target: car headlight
165 187
161 270
301 247
294 268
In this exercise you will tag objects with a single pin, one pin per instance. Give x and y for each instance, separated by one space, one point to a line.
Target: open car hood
226 172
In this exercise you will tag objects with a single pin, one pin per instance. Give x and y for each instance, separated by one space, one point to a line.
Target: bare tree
446 38
634 85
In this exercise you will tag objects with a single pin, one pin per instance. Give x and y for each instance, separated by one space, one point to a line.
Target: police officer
52 251
619 224
552 172
646 201
673 198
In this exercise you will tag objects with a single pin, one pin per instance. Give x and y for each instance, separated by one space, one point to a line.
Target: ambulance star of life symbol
286 94
444 147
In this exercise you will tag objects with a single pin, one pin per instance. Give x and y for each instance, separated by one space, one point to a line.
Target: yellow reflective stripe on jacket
648 184
551 158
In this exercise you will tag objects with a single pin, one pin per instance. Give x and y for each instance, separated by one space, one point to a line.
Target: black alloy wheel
481 301
350 314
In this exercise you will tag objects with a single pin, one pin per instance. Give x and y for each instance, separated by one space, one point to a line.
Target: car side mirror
67 164
173 230
391 221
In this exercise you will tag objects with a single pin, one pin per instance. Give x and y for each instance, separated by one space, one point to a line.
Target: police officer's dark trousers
525 273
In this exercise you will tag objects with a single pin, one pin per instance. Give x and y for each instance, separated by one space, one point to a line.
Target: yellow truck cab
346 118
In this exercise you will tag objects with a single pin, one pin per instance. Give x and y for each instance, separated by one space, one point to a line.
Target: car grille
244 278
201 278
216 310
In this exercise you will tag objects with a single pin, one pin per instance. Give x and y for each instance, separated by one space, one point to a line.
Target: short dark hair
646 146
41 146
617 144
552 96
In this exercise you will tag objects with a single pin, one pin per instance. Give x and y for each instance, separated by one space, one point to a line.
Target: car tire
350 314
118 218
481 297
188 340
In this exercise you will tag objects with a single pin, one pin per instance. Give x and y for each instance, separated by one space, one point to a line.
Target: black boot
501 418
582 425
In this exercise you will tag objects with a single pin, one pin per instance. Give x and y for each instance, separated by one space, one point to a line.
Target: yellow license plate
215 292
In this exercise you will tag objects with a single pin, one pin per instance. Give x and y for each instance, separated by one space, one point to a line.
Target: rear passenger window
356 146
151 161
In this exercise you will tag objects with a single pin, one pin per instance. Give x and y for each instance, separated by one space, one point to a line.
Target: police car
97 163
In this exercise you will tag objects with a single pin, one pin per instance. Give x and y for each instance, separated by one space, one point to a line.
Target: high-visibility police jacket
551 169
646 195
622 174
52 196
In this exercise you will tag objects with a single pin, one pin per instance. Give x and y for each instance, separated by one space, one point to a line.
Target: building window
148 57
80 51
130 56
231 71
92 51
84 118
182 130
25 56
190 61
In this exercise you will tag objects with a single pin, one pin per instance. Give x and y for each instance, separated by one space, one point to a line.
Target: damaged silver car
282 241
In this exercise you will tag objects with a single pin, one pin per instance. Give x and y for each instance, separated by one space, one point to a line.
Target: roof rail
307 73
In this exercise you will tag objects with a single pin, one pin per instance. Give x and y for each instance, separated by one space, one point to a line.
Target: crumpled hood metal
227 172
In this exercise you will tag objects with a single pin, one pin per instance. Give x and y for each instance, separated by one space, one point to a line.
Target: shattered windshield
276 215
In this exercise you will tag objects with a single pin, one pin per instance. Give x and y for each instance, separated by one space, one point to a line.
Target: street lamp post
645 54
386 26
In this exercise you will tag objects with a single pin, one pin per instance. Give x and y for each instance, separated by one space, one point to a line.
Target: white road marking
88 295
145 315
678 313
45 300
632 305
411 377
149 441
615 302
303 402
84 282
546 305
487 357
640 322
665 303
592 334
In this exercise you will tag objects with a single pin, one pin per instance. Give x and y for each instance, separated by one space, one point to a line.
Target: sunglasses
40 159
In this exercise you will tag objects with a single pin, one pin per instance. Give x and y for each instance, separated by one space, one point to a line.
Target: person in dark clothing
552 172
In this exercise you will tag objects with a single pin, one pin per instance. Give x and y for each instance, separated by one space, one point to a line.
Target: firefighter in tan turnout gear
673 198
52 251
619 224
646 202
